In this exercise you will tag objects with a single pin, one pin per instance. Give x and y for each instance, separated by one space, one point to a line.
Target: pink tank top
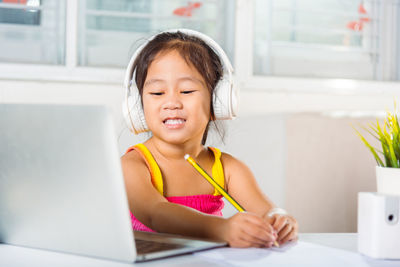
210 204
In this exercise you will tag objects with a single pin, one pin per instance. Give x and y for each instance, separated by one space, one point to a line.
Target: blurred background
307 72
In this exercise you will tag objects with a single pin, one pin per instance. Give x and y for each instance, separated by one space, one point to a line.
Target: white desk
11 256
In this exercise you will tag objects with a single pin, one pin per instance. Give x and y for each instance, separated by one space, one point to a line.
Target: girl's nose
172 102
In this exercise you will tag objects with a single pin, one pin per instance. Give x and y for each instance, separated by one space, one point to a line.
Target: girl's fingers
290 237
255 232
279 223
261 223
289 232
285 232
285 226
259 234
251 241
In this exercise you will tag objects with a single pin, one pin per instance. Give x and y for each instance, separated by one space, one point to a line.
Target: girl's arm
154 211
242 186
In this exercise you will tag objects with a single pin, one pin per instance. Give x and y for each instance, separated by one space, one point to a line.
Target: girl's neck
174 152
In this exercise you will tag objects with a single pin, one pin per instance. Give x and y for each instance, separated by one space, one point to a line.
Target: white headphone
225 99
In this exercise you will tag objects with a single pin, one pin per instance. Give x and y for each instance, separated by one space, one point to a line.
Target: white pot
388 180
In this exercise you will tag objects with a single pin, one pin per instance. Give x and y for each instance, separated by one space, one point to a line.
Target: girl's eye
156 93
187 92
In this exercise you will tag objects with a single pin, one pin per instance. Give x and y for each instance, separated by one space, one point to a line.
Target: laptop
62 189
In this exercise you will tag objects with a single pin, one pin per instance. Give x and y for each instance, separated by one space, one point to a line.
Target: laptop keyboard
145 246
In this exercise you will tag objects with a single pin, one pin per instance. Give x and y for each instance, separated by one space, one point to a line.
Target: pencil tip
187 156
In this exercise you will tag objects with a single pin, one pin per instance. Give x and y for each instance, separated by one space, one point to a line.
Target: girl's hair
194 51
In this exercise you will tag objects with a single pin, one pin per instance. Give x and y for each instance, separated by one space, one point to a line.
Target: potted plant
388 169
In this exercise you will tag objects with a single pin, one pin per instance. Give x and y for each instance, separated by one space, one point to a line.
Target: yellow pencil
216 185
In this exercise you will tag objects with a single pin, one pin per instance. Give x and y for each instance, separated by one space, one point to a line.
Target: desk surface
20 256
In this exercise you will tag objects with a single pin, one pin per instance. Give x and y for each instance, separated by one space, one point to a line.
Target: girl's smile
174 123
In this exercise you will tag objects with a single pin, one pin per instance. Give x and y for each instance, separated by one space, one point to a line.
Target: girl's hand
248 230
285 225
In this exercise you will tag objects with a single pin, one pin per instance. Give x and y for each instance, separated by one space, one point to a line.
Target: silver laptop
62 189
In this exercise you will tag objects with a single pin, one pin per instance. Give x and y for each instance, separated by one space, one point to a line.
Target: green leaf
371 133
377 158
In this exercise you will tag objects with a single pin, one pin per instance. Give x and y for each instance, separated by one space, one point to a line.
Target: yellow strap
217 170
156 177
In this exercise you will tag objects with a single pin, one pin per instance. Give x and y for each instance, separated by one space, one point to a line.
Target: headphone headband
226 64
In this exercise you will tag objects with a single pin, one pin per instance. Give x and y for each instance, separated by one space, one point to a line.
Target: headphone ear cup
133 112
224 100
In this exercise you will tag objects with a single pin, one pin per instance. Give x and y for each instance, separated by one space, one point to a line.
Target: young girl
178 77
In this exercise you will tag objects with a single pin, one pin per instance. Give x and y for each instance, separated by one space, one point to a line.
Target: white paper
296 254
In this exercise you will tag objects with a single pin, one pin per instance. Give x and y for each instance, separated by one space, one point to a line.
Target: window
32 31
110 31
269 40
327 38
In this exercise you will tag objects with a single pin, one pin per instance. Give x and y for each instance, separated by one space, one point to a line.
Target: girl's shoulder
132 162
132 155
232 165
228 160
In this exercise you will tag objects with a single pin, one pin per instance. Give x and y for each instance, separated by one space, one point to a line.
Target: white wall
326 166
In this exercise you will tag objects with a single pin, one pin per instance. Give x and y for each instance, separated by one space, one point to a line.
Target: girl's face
176 101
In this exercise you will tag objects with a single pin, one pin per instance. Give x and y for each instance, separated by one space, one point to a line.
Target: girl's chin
175 138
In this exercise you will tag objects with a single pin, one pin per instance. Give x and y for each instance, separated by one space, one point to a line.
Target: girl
179 77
